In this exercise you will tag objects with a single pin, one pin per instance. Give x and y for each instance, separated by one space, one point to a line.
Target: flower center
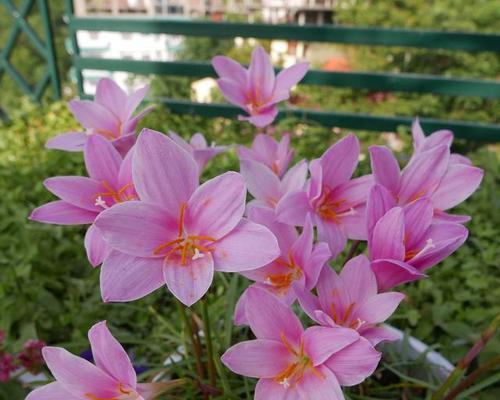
187 247
283 280
346 319
125 394
410 254
295 371
331 209
115 196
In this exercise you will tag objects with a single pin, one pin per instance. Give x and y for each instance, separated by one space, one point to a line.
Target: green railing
386 82
43 46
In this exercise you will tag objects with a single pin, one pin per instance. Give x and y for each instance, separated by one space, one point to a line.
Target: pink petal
111 96
203 156
422 143
388 236
130 125
133 101
418 134
77 190
240 316
180 141
128 278
125 142
287 78
308 302
96 247
303 246
230 69
102 159
191 281
77 375
458 183
378 308
377 334
325 388
354 363
110 356
246 247
293 208
354 223
391 273
269 318
233 92
267 389
385 168
423 173
318 260
125 172
137 228
295 177
261 75
163 172
217 206
51 391
380 200
418 218
441 216
94 116
62 213
355 191
332 290
340 161
262 118
259 358
262 183
332 234
69 141
321 342
359 279
459 159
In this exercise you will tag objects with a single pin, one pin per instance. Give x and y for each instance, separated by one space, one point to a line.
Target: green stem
352 250
212 373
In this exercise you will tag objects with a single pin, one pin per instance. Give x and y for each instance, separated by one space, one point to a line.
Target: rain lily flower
403 242
111 378
110 115
300 262
256 89
198 148
351 299
266 188
335 201
82 199
180 232
435 139
293 363
446 179
31 356
268 151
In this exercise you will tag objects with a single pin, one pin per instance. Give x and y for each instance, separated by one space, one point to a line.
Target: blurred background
49 292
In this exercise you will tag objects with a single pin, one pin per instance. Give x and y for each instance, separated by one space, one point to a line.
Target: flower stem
212 373
352 251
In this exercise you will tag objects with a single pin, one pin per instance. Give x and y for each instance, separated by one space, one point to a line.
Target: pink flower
180 232
7 366
300 262
82 199
268 151
198 148
403 242
294 363
31 356
109 115
256 90
446 179
335 201
351 300
111 378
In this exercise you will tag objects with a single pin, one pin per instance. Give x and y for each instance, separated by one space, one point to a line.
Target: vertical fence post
74 45
51 50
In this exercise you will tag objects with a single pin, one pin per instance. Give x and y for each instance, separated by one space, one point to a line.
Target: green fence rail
386 82
43 46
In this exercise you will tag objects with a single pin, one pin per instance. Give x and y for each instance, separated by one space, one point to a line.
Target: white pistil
351 211
99 202
197 255
285 382
428 245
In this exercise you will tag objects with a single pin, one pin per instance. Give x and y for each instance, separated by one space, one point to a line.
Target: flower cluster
30 358
153 224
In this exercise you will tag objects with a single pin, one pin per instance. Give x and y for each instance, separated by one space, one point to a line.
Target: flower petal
353 364
261 75
377 334
321 342
418 217
380 307
385 168
355 191
359 279
77 190
233 92
51 391
230 69
246 247
128 278
387 240
259 358
62 213
340 161
96 247
293 208
77 375
458 183
69 141
137 228
110 356
380 200
269 318
217 206
270 389
263 118
102 160
191 281
262 183
163 172
295 177
325 387
111 96
332 234
391 273
133 101
287 78
94 116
